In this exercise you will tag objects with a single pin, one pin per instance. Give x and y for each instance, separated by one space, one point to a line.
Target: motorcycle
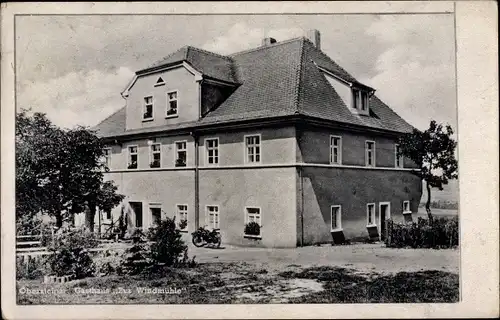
202 237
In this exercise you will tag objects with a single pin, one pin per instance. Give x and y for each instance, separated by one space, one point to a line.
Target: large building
280 135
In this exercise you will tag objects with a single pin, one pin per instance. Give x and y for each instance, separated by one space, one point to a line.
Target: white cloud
77 98
415 75
241 37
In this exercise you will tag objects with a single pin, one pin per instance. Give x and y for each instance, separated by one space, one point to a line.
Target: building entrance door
384 214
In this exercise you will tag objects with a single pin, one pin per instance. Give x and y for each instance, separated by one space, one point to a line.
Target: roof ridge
160 61
210 52
299 76
265 47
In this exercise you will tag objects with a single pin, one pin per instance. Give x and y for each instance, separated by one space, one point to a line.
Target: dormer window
159 82
148 108
360 101
172 102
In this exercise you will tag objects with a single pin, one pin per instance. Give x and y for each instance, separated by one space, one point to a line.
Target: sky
73 68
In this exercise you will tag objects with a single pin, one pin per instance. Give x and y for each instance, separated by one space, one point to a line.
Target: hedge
441 233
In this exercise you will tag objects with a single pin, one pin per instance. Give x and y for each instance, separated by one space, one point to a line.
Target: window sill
337 230
407 212
147 120
171 116
250 236
183 231
371 226
335 163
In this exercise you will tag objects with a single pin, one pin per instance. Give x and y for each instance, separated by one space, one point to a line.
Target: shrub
168 246
441 233
107 262
69 253
29 268
252 229
136 258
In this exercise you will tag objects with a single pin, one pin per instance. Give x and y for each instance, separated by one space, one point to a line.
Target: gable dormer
161 97
360 102
355 95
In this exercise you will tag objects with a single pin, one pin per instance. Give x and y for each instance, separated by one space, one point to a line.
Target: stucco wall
278 146
119 155
353 189
271 189
175 79
167 188
314 147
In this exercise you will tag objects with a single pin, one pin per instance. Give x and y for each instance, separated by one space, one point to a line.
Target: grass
343 286
239 282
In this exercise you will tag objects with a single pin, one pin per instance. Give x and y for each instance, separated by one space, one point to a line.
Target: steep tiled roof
113 124
210 64
277 80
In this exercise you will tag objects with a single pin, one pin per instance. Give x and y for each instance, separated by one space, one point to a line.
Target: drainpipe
196 182
299 168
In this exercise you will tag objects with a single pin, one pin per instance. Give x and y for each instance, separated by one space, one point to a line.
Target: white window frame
207 151
339 218
129 160
158 84
396 158
247 220
107 156
374 215
355 98
338 147
367 150
154 205
145 105
177 153
176 114
207 216
253 146
364 101
152 153
407 203
178 212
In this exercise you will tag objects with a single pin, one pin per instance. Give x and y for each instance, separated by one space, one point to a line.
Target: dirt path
362 257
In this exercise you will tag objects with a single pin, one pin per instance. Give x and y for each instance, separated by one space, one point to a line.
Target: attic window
360 101
159 82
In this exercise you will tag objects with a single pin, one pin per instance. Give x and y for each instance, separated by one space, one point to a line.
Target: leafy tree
433 150
59 172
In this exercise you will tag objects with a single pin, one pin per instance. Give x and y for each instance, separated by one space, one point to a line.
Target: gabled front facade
280 135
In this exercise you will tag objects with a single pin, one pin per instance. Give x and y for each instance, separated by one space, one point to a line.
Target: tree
59 172
433 150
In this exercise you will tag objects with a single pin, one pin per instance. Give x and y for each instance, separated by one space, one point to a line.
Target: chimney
315 38
268 41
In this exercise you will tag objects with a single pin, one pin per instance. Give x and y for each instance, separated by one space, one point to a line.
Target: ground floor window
155 210
213 217
253 221
370 214
182 215
336 215
406 207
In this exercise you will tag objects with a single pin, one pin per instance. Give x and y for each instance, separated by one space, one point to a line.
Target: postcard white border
478 155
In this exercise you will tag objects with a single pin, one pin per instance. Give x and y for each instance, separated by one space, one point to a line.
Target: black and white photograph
236 158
